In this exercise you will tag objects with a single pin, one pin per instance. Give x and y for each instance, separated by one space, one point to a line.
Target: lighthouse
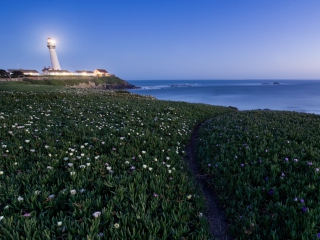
51 44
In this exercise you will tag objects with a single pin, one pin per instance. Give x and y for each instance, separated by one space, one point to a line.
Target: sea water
291 95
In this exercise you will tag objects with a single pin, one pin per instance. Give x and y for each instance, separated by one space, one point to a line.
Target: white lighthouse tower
51 44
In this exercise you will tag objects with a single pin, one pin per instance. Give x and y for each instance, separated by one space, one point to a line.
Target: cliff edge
110 82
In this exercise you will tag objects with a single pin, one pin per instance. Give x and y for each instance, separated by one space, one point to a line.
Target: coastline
289 95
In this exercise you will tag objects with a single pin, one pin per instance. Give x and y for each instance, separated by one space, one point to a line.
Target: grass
24 86
89 164
55 83
264 166
64 81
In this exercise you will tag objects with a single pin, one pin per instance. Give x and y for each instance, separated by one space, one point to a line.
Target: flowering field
80 164
265 167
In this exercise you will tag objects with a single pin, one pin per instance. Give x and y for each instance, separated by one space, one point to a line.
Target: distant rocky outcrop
274 83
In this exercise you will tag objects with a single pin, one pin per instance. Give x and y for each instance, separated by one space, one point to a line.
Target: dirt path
214 214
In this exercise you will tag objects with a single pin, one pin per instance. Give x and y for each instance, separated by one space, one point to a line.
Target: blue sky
166 39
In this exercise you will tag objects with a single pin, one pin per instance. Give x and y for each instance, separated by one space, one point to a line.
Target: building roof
23 70
83 71
102 70
58 71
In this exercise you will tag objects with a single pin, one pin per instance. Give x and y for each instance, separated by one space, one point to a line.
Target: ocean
290 95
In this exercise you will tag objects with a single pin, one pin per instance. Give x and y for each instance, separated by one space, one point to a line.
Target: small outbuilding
101 72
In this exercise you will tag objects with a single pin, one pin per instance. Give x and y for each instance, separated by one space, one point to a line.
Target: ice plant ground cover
83 164
265 165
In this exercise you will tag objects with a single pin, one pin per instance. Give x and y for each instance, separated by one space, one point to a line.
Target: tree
4 74
16 74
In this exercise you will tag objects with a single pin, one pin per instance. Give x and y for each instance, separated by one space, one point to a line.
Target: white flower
59 223
88 164
144 166
167 158
46 146
27 141
82 166
51 196
32 150
1 172
168 166
36 192
96 214
20 199
189 196
126 162
15 163
20 147
150 168
73 192
72 173
116 225
6 207
82 154
169 171
49 167
143 152
155 159
71 154
65 158
81 146
70 164
109 168
1 217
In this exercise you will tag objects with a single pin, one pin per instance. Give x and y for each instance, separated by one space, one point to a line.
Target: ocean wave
155 87
184 85
180 85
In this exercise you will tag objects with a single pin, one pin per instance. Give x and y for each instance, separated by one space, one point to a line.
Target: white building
101 72
49 71
83 73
